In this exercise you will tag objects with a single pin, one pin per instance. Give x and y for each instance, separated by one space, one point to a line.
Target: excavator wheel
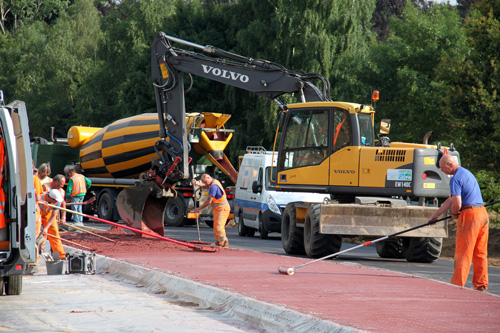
292 237
316 244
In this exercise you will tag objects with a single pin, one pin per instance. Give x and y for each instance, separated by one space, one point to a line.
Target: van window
270 184
261 177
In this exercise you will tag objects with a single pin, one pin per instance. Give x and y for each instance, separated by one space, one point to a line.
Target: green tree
472 96
59 63
303 36
403 69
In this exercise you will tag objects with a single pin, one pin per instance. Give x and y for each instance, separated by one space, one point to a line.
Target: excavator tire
292 237
390 248
318 245
422 249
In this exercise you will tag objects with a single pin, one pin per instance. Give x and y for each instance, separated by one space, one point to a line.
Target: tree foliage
88 62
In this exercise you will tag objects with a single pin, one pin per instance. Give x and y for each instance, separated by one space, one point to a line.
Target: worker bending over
218 200
49 220
467 206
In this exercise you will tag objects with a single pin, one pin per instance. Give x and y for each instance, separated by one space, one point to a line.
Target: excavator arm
263 78
143 205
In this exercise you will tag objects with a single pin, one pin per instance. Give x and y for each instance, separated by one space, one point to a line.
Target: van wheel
242 229
262 228
13 284
292 237
316 244
251 232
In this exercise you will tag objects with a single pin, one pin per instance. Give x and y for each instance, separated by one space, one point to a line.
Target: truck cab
18 225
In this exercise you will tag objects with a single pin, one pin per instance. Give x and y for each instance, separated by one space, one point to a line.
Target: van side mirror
256 187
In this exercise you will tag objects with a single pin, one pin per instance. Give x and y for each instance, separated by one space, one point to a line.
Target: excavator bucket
140 208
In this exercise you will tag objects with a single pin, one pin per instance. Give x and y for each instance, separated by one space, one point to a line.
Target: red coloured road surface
363 298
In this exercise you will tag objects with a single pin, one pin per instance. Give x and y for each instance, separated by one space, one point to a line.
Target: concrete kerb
268 316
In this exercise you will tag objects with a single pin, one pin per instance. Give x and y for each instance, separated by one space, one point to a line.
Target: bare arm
205 204
454 202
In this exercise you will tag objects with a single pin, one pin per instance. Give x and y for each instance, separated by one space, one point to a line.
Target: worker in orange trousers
49 220
218 200
467 206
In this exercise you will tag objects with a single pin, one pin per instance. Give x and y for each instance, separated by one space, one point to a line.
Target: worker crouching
218 200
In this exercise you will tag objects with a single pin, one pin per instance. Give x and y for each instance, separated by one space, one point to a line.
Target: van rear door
23 207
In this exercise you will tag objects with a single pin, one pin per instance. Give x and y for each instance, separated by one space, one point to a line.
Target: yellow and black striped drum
123 149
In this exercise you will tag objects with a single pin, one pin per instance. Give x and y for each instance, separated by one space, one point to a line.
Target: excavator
324 146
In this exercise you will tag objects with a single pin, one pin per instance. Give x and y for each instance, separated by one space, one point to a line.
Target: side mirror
385 126
256 187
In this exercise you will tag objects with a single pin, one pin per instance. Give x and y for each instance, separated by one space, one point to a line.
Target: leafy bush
489 183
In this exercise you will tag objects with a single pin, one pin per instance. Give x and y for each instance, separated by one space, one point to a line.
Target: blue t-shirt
215 191
464 184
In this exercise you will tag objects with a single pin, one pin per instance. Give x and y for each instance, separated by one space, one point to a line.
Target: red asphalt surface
361 298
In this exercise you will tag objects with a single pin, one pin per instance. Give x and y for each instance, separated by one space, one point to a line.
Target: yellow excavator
325 146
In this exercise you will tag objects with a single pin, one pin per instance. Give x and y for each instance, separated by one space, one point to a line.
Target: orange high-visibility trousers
221 213
472 247
55 243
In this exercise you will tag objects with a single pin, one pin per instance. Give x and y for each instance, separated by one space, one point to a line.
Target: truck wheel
390 248
318 245
106 206
13 284
422 249
292 237
262 228
242 229
174 212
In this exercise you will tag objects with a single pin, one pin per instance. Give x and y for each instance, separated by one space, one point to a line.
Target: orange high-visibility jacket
223 199
79 185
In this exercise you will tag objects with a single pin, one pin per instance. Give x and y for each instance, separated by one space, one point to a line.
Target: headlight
272 205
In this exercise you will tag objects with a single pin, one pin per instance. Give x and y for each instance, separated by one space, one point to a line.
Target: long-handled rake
291 270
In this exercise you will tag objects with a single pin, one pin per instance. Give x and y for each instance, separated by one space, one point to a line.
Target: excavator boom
171 165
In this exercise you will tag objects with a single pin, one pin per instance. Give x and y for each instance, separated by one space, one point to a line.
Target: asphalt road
440 270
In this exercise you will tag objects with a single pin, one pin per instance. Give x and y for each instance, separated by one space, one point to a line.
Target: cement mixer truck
114 157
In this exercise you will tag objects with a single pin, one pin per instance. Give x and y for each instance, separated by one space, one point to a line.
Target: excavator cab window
367 136
306 138
342 133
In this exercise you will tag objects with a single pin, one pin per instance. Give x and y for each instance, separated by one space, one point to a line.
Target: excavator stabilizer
140 208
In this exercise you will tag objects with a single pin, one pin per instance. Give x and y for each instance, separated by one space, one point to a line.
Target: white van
18 237
257 205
